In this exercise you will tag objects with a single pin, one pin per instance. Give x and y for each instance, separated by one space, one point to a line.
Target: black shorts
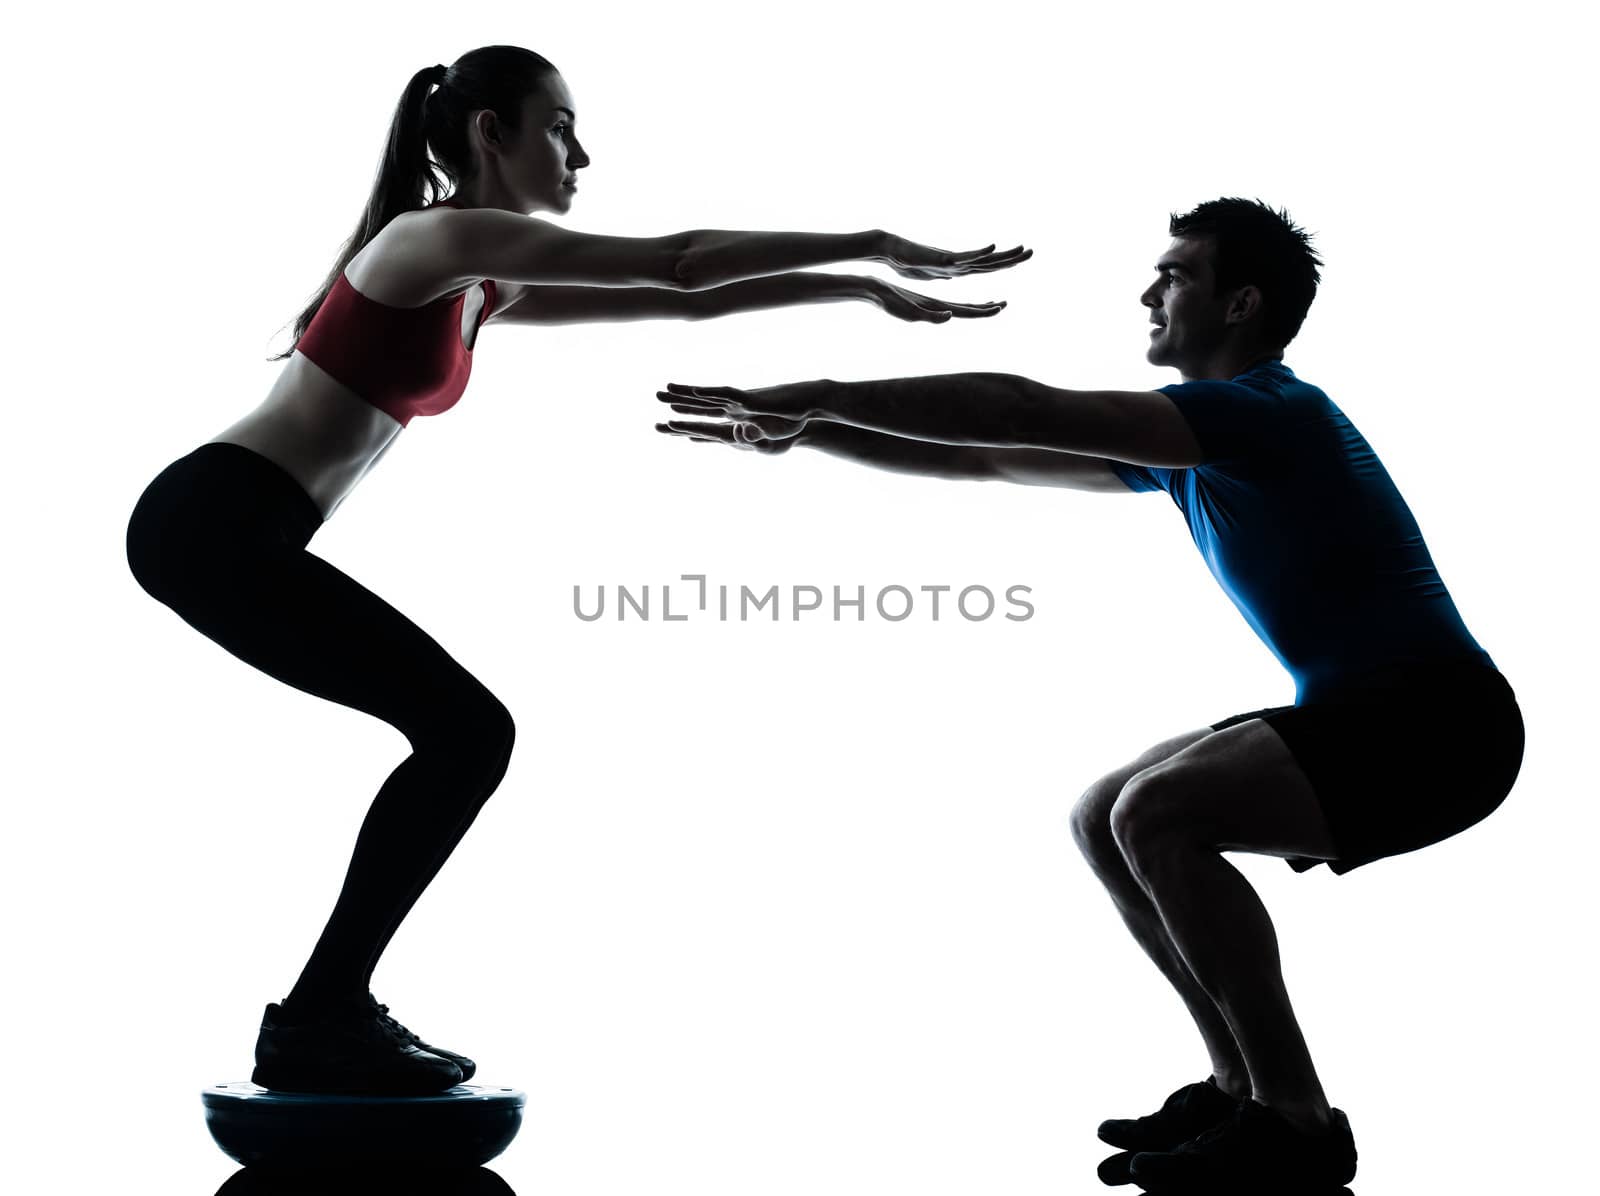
1405 758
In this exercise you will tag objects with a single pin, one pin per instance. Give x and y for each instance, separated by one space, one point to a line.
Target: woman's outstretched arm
545 304
476 243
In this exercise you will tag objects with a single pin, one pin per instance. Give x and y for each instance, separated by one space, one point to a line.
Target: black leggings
220 536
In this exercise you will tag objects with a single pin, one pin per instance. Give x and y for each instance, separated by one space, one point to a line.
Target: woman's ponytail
407 180
432 116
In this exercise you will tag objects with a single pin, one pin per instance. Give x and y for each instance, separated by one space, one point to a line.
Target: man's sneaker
1255 1150
344 1050
381 1012
1116 1171
1190 1110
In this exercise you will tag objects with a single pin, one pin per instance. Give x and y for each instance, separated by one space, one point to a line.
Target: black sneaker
1189 1111
345 1051
381 1012
1116 1170
1255 1150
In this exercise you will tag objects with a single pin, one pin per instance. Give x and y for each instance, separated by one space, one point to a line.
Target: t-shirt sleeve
1134 477
1229 420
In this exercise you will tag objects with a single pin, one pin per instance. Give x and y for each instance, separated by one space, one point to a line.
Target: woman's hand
912 260
763 434
909 305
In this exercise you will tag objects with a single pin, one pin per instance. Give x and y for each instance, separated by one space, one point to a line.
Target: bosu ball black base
464 1126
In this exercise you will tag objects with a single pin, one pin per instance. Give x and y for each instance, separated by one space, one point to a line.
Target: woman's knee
475 733
494 734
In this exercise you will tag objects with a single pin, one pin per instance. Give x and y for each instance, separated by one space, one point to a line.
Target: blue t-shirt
1301 526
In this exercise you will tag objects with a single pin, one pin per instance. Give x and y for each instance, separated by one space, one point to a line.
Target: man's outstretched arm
998 410
1031 467
899 454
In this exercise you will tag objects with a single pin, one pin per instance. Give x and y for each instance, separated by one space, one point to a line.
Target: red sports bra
405 361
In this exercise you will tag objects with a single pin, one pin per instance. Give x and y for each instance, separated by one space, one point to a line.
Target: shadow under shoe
345 1052
381 1012
1189 1111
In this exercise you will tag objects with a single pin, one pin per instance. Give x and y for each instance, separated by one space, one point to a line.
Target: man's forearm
991 409
896 453
714 257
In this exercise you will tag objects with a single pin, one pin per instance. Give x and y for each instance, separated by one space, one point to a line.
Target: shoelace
389 1024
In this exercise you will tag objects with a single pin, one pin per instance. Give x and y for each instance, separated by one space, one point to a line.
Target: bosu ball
464 1126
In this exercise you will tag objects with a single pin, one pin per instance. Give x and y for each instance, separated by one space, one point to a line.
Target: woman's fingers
912 305
994 261
977 264
999 261
976 310
986 308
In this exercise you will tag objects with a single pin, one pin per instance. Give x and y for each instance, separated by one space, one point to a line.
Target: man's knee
1090 820
1147 816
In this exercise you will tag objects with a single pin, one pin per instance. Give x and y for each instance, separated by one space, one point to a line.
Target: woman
220 535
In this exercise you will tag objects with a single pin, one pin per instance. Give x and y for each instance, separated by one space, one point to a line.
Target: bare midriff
317 430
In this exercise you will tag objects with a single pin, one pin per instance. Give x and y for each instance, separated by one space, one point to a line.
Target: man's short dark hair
1254 245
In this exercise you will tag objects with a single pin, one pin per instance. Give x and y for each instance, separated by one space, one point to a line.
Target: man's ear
1245 303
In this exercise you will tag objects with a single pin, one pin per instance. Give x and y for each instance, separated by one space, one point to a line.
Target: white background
785 907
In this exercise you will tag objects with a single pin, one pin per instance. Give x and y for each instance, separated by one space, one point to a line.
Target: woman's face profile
547 156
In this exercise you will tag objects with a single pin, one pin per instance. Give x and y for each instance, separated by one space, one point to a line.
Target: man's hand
764 434
795 401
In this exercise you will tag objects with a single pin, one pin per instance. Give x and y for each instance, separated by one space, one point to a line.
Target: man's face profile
1188 314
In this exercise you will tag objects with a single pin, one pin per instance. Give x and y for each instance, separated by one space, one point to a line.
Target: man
1403 732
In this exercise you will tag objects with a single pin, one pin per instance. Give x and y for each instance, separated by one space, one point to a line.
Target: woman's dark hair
1253 245
498 78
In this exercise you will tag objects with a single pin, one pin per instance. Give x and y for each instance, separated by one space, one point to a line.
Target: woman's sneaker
381 1012
346 1050
1190 1110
